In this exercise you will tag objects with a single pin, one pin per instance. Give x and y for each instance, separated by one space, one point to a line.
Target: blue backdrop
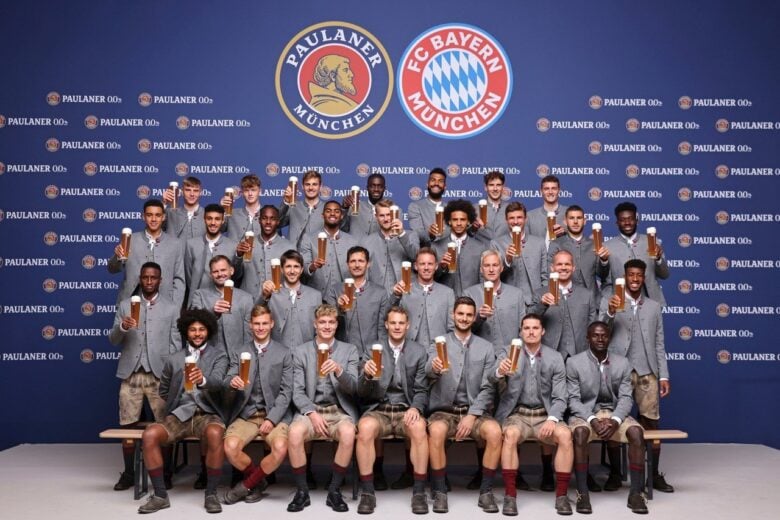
695 84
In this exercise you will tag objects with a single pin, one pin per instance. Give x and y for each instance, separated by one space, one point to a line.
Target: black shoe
440 502
235 494
154 504
487 502
126 481
367 504
168 480
380 482
419 504
336 502
200 482
548 482
660 484
406 480
476 480
310 481
583 504
613 482
255 494
562 505
270 480
212 504
637 503
521 484
593 486
299 501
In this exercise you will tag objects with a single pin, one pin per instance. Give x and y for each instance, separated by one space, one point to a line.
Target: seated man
395 402
324 396
192 407
599 385
262 406
461 397
531 404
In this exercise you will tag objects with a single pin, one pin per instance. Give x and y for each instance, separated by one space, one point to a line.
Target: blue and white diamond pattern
454 81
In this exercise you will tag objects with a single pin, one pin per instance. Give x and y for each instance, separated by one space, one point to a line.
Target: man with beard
267 246
391 245
496 223
244 219
306 215
459 214
332 81
192 407
422 213
537 218
365 222
184 222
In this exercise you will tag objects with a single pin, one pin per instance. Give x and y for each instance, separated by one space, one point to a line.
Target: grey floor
74 481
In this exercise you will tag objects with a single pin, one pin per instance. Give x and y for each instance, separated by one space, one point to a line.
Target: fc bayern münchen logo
334 80
454 81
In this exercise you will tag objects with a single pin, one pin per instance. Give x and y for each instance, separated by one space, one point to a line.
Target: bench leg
623 462
141 484
355 477
649 470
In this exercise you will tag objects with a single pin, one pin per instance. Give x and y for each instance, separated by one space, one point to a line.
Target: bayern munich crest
454 81
334 80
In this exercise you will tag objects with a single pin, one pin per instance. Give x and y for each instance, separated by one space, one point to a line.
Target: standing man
365 222
394 404
324 397
531 406
391 245
199 251
496 223
151 245
599 386
146 344
184 222
191 407
326 274
267 246
537 218
461 397
261 407
422 213
638 334
566 322
526 269
587 267
246 218
459 214
306 215
360 321
629 245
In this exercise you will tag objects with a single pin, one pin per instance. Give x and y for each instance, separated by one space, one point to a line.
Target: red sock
249 470
510 486
562 483
255 478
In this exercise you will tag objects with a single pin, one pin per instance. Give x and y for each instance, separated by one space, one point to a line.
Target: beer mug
355 200
441 352
440 219
230 194
483 213
551 225
395 213
406 276
376 357
243 367
189 365
452 249
322 356
517 239
124 241
322 245
598 237
249 238
349 291
293 184
652 242
554 287
227 293
173 185
488 293
135 309
620 292
276 273
514 353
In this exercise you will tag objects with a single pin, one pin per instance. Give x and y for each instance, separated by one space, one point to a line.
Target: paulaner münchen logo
454 81
334 80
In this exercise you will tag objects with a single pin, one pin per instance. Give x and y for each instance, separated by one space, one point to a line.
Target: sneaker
336 502
440 502
367 504
548 482
583 504
476 480
299 501
404 481
212 505
521 484
660 484
380 482
126 481
488 502
154 504
200 482
419 504
593 486
613 482
235 494
562 505
510 506
637 503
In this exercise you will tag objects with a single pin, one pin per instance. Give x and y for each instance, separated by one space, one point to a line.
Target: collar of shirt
497 287
151 301
464 342
566 289
193 213
270 240
334 236
152 240
632 301
577 240
630 240
260 348
309 207
196 352
427 289
212 243
396 348
532 357
362 287
601 364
